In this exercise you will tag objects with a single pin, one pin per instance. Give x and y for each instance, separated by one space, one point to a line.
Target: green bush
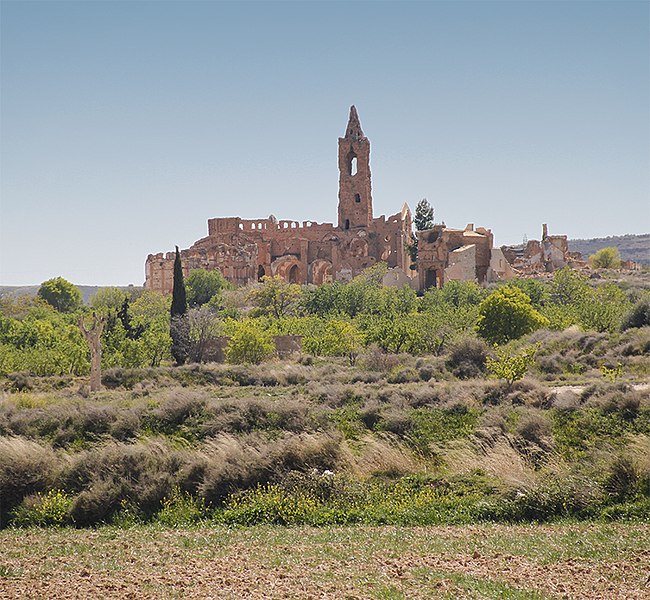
49 509
507 314
181 509
249 344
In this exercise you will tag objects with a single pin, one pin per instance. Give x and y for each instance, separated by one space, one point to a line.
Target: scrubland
457 469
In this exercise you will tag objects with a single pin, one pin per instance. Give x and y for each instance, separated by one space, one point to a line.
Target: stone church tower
355 197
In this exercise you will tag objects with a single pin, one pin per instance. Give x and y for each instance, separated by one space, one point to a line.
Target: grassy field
587 561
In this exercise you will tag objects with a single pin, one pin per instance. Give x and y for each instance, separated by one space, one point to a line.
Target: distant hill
87 291
630 247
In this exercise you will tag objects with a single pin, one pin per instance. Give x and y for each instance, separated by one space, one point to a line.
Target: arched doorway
260 273
431 279
293 275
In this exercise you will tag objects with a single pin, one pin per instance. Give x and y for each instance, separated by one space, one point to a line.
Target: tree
569 287
203 285
605 258
336 338
205 326
179 296
108 298
506 315
511 366
93 337
276 297
249 344
179 326
61 294
423 220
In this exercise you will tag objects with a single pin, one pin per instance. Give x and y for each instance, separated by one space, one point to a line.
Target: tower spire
355 193
353 129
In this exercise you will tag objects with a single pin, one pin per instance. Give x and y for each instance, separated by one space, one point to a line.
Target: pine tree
423 215
179 329
423 220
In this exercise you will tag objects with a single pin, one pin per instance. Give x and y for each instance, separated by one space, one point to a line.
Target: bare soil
493 561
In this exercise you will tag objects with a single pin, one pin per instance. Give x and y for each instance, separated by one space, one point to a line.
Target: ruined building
446 254
542 256
245 250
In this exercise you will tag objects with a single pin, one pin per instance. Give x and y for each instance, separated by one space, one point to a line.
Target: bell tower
355 198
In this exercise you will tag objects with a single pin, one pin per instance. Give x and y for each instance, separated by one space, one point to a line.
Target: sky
124 126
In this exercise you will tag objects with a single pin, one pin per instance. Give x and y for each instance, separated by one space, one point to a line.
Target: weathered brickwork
543 256
245 250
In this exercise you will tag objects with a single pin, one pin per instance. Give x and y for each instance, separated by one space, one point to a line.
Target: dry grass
499 460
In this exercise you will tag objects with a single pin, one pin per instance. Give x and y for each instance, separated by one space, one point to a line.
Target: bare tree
93 337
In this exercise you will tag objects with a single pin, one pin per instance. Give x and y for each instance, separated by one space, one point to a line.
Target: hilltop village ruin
245 250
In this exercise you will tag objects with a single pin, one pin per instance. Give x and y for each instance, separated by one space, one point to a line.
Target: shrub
467 357
235 464
638 316
26 468
249 344
376 359
181 509
49 509
139 474
605 258
507 314
400 374
511 366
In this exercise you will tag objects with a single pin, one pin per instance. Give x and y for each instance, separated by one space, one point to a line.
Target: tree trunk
93 337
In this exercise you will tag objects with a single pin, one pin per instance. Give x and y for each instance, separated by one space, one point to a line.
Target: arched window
357 198
352 163
347 223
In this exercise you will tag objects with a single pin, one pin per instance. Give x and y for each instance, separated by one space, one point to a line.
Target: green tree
423 219
61 294
108 298
605 258
275 297
569 287
179 295
336 338
511 365
151 311
179 324
248 344
202 286
506 315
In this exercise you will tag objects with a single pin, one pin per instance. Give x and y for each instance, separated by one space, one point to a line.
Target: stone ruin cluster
245 250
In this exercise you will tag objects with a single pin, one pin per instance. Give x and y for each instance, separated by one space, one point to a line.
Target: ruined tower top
353 129
355 193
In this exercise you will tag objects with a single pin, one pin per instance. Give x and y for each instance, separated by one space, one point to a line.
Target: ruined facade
245 250
446 254
542 256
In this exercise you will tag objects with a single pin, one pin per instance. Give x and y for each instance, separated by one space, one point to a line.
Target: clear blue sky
126 125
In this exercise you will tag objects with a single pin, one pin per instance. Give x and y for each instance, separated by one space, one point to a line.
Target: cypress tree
179 297
179 326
